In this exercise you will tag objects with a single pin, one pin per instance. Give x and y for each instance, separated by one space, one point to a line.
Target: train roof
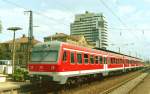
105 50
116 53
109 51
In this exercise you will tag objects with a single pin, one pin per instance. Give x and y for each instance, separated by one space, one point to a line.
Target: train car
63 63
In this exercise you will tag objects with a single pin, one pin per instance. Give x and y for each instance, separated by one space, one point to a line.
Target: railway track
104 86
143 87
126 86
100 87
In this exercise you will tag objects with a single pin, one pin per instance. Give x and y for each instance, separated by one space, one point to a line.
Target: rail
134 77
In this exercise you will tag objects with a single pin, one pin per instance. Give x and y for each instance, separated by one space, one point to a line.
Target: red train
59 62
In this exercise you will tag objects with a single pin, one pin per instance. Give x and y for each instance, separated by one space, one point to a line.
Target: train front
44 63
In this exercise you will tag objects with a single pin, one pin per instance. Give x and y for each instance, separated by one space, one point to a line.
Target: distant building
92 26
74 39
21 49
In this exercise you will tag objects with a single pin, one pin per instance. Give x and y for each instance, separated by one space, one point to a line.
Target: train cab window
100 59
72 58
105 60
79 58
65 56
91 59
85 58
96 59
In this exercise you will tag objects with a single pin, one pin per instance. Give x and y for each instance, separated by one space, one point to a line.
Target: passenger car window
79 58
72 57
65 56
111 60
105 60
85 58
96 59
100 59
91 59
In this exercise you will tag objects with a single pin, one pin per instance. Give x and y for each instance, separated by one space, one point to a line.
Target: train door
100 61
105 65
65 60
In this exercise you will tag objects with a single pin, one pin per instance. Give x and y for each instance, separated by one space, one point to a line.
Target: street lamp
14 29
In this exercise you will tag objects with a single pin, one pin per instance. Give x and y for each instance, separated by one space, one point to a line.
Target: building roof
75 39
62 35
23 39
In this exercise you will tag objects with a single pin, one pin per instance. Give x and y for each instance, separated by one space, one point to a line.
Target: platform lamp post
14 29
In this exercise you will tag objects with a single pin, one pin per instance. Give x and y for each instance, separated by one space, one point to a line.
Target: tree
3 53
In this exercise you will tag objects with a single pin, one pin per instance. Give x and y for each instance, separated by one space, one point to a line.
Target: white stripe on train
82 72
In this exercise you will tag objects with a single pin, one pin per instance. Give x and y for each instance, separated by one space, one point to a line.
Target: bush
20 75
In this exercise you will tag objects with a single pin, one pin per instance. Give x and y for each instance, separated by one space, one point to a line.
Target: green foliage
3 54
20 75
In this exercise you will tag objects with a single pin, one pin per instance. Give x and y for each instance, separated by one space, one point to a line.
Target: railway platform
11 87
143 87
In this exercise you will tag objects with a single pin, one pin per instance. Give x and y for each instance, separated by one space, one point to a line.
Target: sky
128 20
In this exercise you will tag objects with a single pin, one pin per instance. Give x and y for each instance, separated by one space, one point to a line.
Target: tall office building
92 26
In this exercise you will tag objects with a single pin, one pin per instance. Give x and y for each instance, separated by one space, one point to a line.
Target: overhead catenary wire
36 12
123 23
118 18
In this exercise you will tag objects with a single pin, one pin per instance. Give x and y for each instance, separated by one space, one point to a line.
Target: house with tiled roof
21 49
74 39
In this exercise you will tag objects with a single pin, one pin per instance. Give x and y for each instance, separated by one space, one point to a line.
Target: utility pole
119 50
30 35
